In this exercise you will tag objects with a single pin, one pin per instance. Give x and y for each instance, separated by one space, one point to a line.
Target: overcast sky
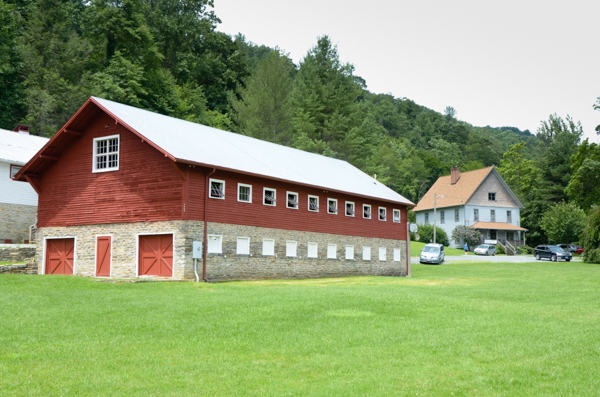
501 63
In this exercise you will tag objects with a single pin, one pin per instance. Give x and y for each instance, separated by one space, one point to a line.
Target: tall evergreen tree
11 87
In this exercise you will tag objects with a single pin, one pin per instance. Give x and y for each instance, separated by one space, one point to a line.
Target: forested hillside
166 56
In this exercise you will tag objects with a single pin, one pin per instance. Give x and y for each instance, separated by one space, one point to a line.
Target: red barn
125 192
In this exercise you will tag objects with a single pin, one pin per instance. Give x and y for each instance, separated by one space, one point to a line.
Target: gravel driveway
497 258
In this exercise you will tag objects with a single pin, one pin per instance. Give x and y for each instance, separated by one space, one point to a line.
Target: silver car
432 253
485 249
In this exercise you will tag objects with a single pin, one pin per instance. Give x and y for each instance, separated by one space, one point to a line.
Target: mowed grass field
483 329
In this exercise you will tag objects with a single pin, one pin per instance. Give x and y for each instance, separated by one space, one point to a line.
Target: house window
476 215
366 211
244 193
268 247
397 216
290 248
442 217
243 246
349 208
331 251
508 217
456 215
427 218
492 196
217 189
382 253
492 215
106 154
493 234
331 206
382 213
14 169
215 244
313 250
397 255
292 200
269 196
350 252
510 235
366 253
313 203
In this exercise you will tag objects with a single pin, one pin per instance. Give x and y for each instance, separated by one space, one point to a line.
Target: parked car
579 250
568 247
552 252
432 253
485 249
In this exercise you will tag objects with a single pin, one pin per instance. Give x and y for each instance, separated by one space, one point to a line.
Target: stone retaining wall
29 268
17 254
15 220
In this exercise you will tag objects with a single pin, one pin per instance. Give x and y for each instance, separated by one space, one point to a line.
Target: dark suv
551 252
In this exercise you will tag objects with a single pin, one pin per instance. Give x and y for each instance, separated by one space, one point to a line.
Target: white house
479 199
18 200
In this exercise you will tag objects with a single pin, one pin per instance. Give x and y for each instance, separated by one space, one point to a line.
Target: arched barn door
156 255
59 256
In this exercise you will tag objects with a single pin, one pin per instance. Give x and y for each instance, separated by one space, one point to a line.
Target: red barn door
103 249
156 255
60 255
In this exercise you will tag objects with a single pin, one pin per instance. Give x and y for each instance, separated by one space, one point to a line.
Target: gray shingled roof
18 148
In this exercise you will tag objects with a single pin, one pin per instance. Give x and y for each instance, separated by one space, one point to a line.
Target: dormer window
382 213
292 200
349 208
366 211
217 189
269 196
492 196
313 203
332 206
106 154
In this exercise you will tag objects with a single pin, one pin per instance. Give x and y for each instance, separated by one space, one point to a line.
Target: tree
520 174
591 237
467 234
426 235
584 186
563 222
11 84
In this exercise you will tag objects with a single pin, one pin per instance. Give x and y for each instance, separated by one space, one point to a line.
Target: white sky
501 63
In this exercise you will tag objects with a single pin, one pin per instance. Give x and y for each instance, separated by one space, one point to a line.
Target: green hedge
426 234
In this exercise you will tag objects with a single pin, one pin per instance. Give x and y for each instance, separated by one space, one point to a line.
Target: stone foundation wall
17 254
30 268
15 220
228 265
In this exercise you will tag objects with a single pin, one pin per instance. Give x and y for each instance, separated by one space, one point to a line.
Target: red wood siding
156 255
145 188
59 256
103 252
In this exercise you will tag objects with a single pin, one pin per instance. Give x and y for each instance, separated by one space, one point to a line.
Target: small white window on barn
331 206
382 213
397 256
349 252
382 253
268 247
331 251
366 253
313 250
291 248
243 246
269 196
217 189
397 216
106 154
244 193
313 203
349 208
292 200
14 169
214 245
366 211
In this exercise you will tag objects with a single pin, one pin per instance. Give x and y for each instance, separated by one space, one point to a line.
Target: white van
432 253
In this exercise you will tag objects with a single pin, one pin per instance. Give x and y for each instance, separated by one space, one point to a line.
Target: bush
591 237
470 236
592 256
426 233
500 250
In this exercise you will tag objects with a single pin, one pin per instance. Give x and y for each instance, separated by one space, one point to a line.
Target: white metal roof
18 148
196 143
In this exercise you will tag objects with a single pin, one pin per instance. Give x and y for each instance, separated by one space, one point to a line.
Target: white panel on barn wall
397 255
313 250
243 246
268 247
290 248
366 253
331 251
349 252
214 245
382 253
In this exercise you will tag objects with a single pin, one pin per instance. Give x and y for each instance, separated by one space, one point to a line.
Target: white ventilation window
313 203
292 200
269 196
331 251
244 193
331 206
313 250
106 154
366 211
397 216
349 208
215 244
268 247
382 253
243 246
366 253
397 256
217 189
291 248
14 169
350 252
382 213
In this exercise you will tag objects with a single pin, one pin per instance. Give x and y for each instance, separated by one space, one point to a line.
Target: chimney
454 175
22 129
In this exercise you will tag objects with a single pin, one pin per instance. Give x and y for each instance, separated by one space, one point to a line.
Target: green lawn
482 329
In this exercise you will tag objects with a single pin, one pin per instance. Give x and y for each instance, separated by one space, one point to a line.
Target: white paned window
269 196
349 252
215 244
106 154
397 255
427 218
14 169
382 252
292 200
397 216
243 246
492 196
217 189
509 217
476 215
331 251
331 206
313 250
442 217
492 215
366 211
291 248
268 247
313 203
244 193
456 215
382 213
366 253
349 208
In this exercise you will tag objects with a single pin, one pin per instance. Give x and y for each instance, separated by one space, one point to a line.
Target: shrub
525 249
500 250
591 237
426 233
470 236
592 256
